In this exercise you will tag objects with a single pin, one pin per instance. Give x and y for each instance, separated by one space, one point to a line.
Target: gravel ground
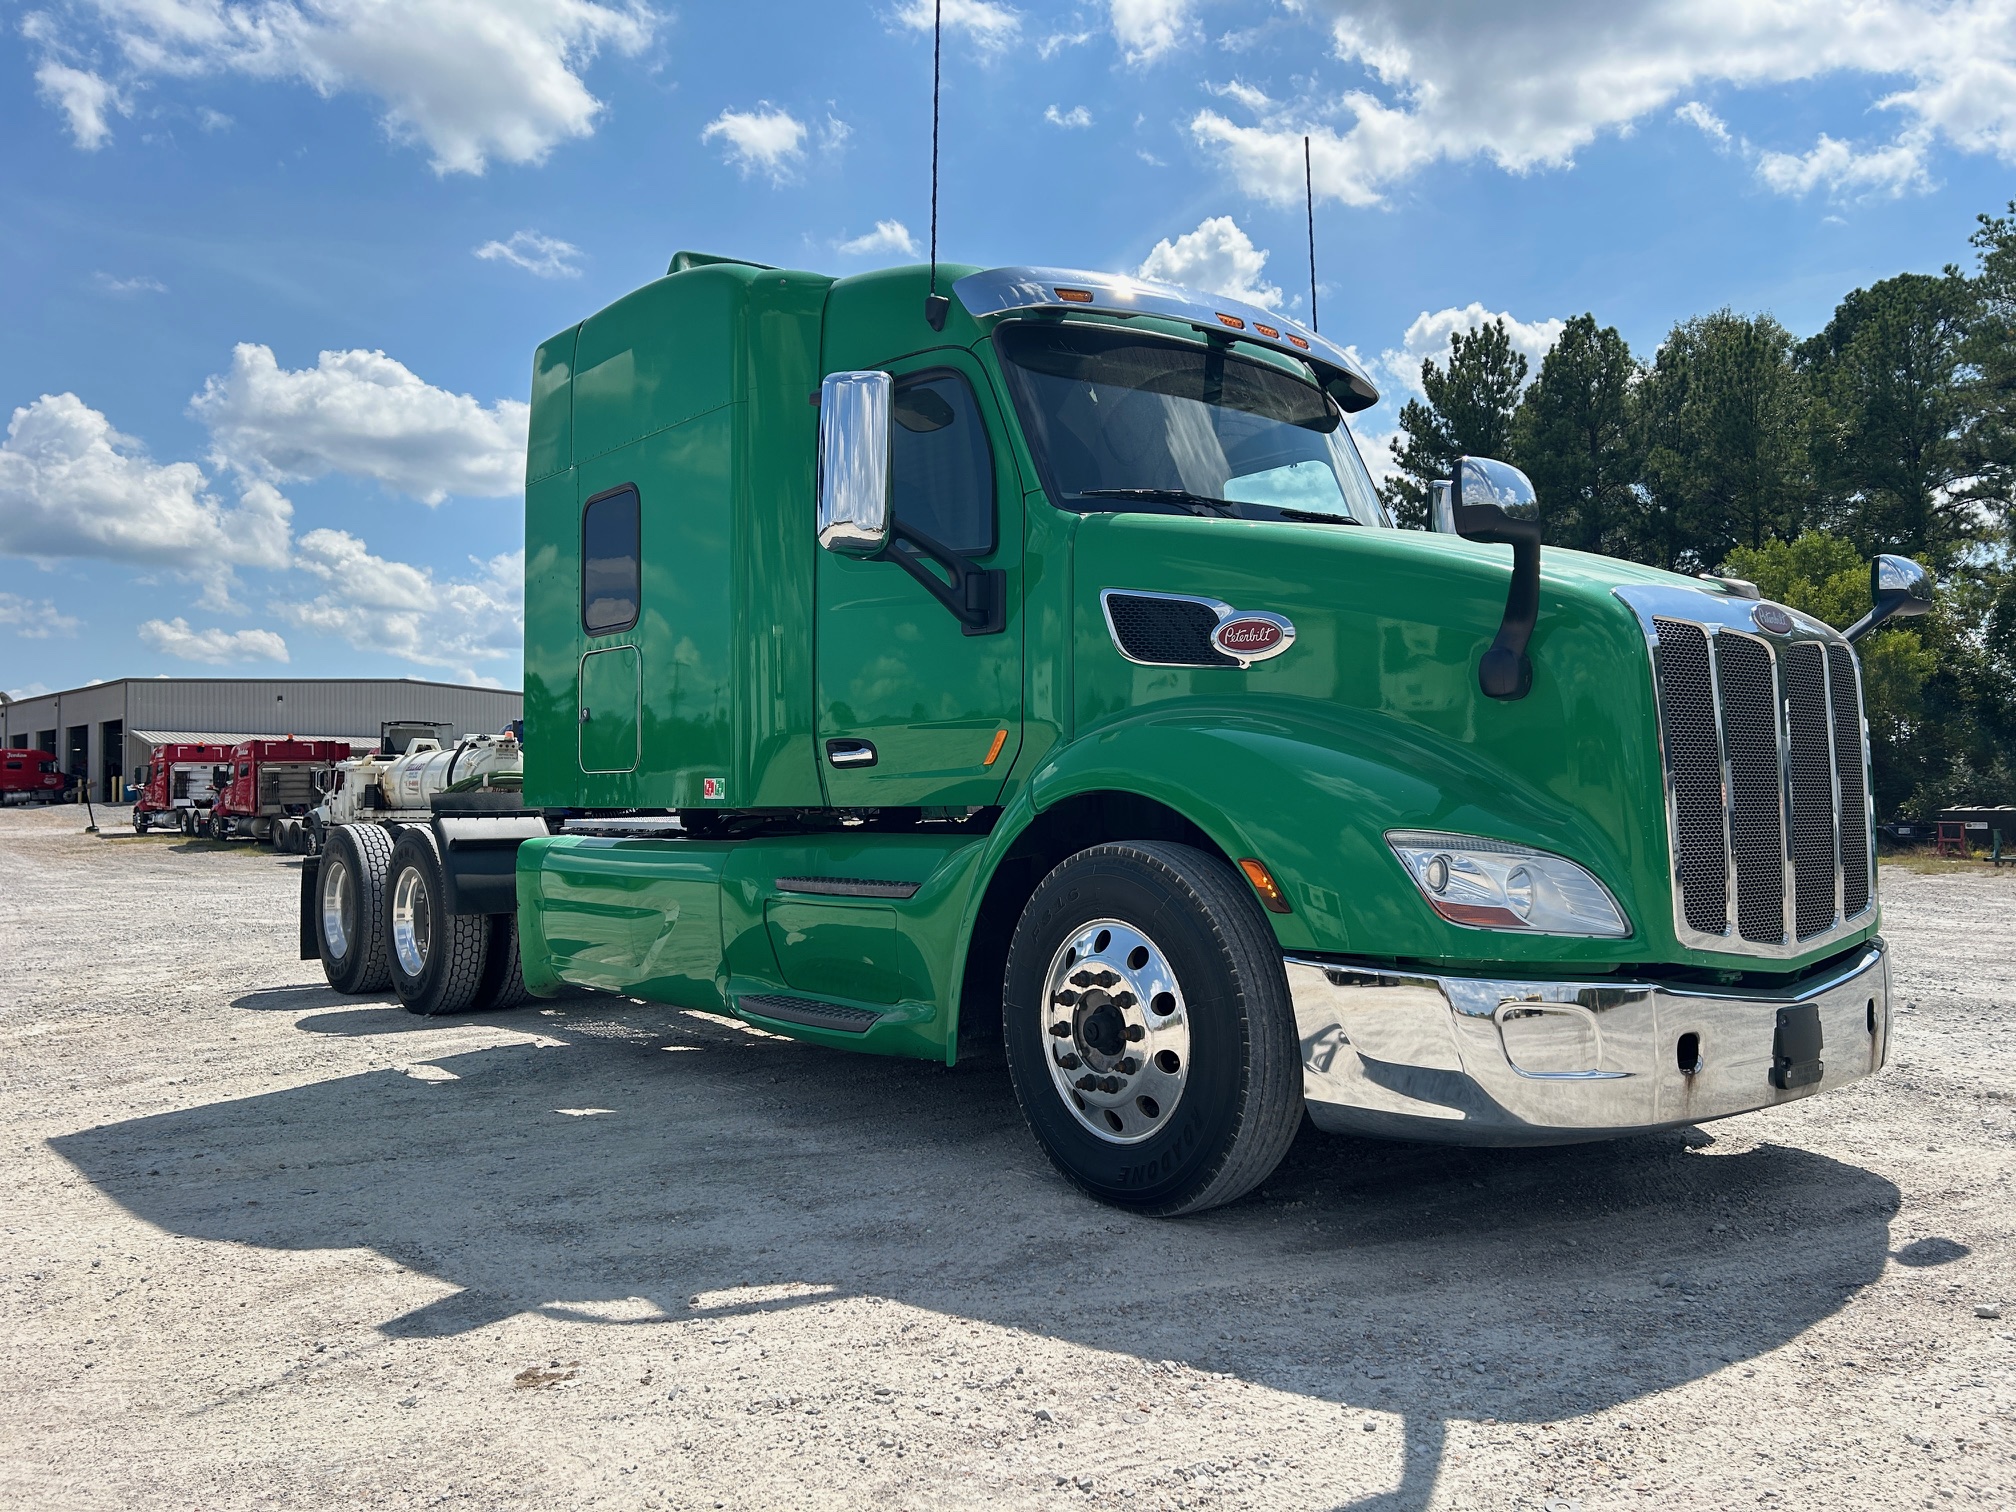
266 1246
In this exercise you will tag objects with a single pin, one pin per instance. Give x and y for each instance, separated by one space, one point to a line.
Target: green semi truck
1033 669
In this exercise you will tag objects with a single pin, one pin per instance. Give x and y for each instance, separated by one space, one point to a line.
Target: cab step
809 1011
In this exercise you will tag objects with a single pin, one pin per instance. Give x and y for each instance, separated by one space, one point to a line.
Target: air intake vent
1164 631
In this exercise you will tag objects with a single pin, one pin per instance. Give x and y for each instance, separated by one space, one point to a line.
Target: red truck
181 781
31 777
267 780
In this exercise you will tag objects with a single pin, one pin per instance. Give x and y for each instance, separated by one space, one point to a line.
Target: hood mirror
1494 502
854 413
1898 589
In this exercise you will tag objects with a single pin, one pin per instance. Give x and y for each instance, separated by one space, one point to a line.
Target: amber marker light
1231 320
1265 885
1075 296
1294 340
994 750
1268 331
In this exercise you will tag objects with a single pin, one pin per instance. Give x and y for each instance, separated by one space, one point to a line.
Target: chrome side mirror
1898 589
854 463
1494 502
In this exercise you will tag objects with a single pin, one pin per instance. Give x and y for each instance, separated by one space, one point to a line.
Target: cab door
915 706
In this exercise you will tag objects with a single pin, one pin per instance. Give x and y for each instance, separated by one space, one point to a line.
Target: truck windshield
1124 420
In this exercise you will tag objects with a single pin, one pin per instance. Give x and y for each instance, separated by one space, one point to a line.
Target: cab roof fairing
1002 291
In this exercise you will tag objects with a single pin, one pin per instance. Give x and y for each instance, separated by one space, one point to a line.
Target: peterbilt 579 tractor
1036 665
178 787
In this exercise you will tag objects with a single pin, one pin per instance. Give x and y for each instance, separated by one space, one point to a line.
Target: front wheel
436 958
1149 1031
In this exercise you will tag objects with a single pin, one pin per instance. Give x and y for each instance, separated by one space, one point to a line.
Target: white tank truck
368 801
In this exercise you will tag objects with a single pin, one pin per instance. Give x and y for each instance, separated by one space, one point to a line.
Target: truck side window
609 566
942 468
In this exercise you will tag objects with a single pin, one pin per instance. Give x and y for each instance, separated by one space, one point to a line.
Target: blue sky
272 273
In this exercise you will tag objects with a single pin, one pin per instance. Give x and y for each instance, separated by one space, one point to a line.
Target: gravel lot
268 1246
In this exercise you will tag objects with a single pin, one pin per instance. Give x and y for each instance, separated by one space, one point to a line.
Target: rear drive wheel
349 920
436 958
503 983
1149 1031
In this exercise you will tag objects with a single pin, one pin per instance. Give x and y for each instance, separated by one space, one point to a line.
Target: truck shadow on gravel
642 1153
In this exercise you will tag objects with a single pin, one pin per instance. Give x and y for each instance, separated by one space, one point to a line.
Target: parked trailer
178 787
266 781
1057 672
32 777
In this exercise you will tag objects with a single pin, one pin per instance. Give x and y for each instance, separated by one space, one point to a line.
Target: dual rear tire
381 922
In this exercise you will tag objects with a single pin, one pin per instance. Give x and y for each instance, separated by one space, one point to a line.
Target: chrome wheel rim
1116 1032
338 906
410 922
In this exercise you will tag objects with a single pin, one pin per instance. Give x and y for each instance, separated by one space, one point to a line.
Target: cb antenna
1309 199
935 304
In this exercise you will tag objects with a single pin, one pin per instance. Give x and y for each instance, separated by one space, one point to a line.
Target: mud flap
311 871
479 859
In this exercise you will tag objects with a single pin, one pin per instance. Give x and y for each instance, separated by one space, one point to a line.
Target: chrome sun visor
1001 291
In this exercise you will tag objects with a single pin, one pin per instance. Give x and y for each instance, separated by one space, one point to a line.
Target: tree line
1741 450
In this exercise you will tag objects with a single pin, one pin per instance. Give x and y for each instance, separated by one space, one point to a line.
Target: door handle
850 753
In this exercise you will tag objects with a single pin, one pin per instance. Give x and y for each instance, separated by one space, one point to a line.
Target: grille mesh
1770 789
1167 631
1686 697
1812 784
1756 811
1843 689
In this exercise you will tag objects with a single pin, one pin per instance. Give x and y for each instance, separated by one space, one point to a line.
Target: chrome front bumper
1470 1060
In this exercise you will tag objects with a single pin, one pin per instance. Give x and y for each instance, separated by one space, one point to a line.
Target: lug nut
1128 1066
1083 978
1124 1000
1069 1061
1109 1084
1062 1031
1087 1084
1136 1033
1066 999
1106 978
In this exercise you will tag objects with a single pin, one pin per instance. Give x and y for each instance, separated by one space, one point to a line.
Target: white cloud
141 284
1837 167
1429 337
365 415
1526 87
35 619
72 486
990 26
468 82
1704 120
1146 29
1217 258
888 236
765 140
218 647
1056 42
401 610
33 690
1077 117
84 98
541 256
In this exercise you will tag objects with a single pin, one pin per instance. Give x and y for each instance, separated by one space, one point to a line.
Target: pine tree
1467 413
1572 434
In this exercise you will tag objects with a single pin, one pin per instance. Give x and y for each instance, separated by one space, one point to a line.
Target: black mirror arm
977 596
1506 672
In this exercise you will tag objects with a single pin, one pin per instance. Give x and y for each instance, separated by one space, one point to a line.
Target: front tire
349 917
436 958
1176 1084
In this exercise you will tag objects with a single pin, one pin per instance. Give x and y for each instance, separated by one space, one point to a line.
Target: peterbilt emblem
1771 617
1248 637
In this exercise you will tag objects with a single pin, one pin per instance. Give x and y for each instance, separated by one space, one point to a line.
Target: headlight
1492 884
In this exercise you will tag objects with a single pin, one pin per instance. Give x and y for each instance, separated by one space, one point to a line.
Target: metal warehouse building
105 731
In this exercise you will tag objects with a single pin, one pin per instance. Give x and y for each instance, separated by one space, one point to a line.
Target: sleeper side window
941 466
609 561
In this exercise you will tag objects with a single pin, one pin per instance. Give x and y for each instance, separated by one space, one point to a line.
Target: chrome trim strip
1833 777
1717 613
1000 291
1427 1056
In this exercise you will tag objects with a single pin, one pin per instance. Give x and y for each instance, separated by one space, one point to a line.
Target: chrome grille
1767 776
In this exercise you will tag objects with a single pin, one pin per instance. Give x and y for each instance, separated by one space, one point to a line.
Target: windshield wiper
1316 518
1181 496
